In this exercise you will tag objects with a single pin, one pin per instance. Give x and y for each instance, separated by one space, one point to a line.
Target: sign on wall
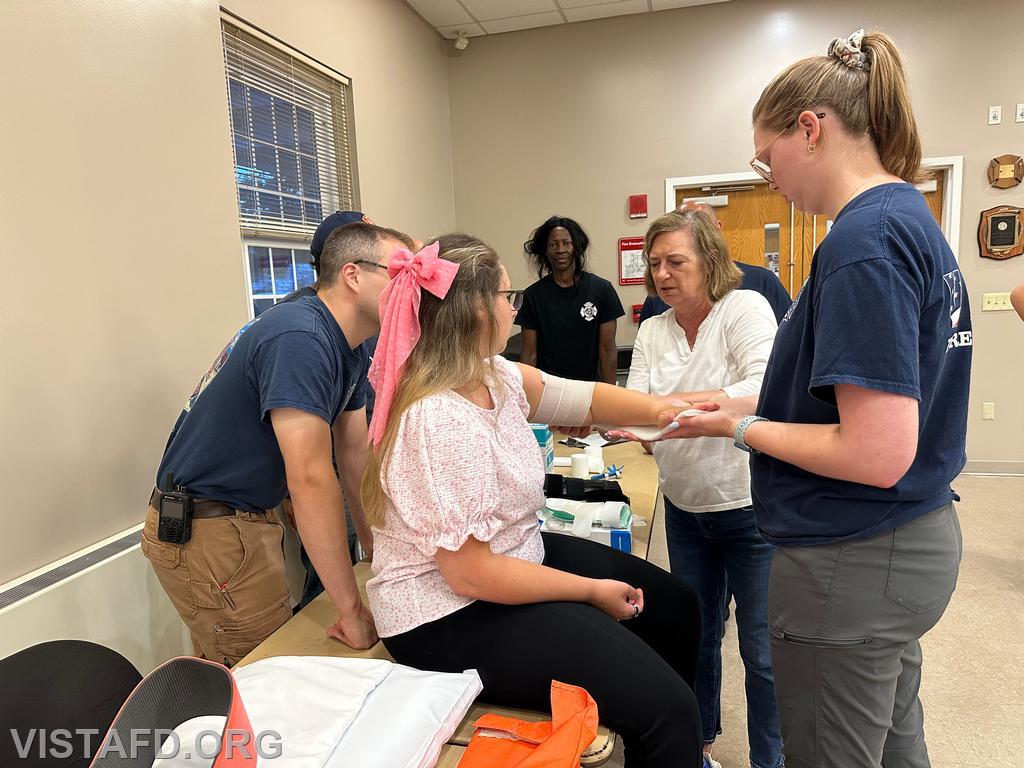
631 260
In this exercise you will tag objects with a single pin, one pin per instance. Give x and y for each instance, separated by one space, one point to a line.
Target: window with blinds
290 127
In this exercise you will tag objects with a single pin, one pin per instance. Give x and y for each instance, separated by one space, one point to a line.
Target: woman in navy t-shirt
861 422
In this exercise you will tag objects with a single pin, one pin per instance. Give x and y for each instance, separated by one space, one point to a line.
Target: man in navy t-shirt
262 422
313 586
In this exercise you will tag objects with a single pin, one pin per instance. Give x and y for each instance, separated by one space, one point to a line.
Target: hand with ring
618 599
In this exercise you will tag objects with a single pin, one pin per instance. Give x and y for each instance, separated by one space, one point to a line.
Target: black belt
201 508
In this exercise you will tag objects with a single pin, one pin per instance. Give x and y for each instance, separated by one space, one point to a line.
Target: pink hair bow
400 322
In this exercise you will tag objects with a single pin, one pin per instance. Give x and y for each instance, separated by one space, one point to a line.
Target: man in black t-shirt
569 315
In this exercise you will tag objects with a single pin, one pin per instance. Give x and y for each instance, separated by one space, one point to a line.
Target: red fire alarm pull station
638 206
637 309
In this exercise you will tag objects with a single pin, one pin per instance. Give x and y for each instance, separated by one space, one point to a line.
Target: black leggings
640 671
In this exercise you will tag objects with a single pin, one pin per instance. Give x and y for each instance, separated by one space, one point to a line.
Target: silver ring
636 610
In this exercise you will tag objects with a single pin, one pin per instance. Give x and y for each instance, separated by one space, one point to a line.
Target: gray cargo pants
845 621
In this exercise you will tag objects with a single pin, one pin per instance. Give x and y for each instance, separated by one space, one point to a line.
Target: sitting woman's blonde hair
447 355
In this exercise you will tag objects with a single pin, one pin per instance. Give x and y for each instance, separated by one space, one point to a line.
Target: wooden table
305 634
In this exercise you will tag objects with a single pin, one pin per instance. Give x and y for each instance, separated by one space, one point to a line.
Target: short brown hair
873 101
723 275
354 242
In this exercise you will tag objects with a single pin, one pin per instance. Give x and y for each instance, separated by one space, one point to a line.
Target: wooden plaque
1001 232
1005 171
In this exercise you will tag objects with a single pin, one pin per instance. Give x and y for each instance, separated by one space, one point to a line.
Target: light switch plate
995 114
996 302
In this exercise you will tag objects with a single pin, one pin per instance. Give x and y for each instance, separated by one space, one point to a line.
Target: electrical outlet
996 302
988 411
1020 113
995 115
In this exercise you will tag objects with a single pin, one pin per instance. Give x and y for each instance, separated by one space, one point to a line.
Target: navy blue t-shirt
885 308
755 278
223 446
370 345
767 283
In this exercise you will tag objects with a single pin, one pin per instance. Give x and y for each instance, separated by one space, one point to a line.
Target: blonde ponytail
868 93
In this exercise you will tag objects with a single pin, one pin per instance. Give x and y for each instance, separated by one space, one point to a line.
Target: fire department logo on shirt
955 288
588 311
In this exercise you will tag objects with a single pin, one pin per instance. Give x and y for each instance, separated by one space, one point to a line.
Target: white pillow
407 719
353 712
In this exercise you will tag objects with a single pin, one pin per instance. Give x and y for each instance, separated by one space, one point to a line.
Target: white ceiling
490 17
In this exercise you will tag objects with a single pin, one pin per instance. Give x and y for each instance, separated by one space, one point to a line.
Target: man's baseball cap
331 223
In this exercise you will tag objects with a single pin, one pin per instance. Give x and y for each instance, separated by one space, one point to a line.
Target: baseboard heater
66 570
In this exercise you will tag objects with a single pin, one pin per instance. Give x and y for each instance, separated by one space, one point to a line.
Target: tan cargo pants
227 582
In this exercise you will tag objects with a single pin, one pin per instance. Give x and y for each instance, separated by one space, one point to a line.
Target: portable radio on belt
175 525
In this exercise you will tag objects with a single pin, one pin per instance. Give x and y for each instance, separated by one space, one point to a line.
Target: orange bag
524 744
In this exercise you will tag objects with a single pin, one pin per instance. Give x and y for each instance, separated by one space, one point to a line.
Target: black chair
72 685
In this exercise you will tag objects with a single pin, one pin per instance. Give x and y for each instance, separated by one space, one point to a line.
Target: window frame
334 151
300 251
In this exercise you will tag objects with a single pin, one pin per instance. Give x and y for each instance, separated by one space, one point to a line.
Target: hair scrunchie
849 51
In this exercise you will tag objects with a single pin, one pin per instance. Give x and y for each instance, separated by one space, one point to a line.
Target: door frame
951 197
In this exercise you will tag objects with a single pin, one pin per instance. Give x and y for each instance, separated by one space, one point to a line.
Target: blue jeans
706 550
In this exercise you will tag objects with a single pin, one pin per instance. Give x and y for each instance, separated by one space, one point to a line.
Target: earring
810 147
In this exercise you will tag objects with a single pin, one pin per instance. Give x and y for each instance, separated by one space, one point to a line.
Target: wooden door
756 222
811 229
934 197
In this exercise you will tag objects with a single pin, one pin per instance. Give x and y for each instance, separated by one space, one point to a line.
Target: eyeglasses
762 168
371 264
515 297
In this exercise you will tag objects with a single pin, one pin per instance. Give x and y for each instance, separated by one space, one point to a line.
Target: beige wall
122 252
572 119
122 255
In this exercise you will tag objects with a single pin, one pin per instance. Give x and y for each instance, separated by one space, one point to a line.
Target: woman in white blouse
713 342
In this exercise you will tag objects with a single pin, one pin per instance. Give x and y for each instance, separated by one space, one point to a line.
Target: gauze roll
580 465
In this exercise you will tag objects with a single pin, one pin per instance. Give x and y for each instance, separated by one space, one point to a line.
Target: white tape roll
580 465
596 456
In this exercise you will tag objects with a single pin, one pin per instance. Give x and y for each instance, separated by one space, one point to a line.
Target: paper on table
594 438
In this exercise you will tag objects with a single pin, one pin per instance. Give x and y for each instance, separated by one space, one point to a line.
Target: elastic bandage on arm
564 402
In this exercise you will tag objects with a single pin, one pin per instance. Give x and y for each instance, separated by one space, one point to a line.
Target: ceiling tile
662 5
483 10
441 13
581 3
522 22
618 8
472 30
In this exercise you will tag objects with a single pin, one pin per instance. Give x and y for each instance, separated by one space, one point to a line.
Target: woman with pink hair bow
463 578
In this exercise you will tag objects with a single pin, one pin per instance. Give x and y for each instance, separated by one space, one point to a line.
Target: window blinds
290 128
